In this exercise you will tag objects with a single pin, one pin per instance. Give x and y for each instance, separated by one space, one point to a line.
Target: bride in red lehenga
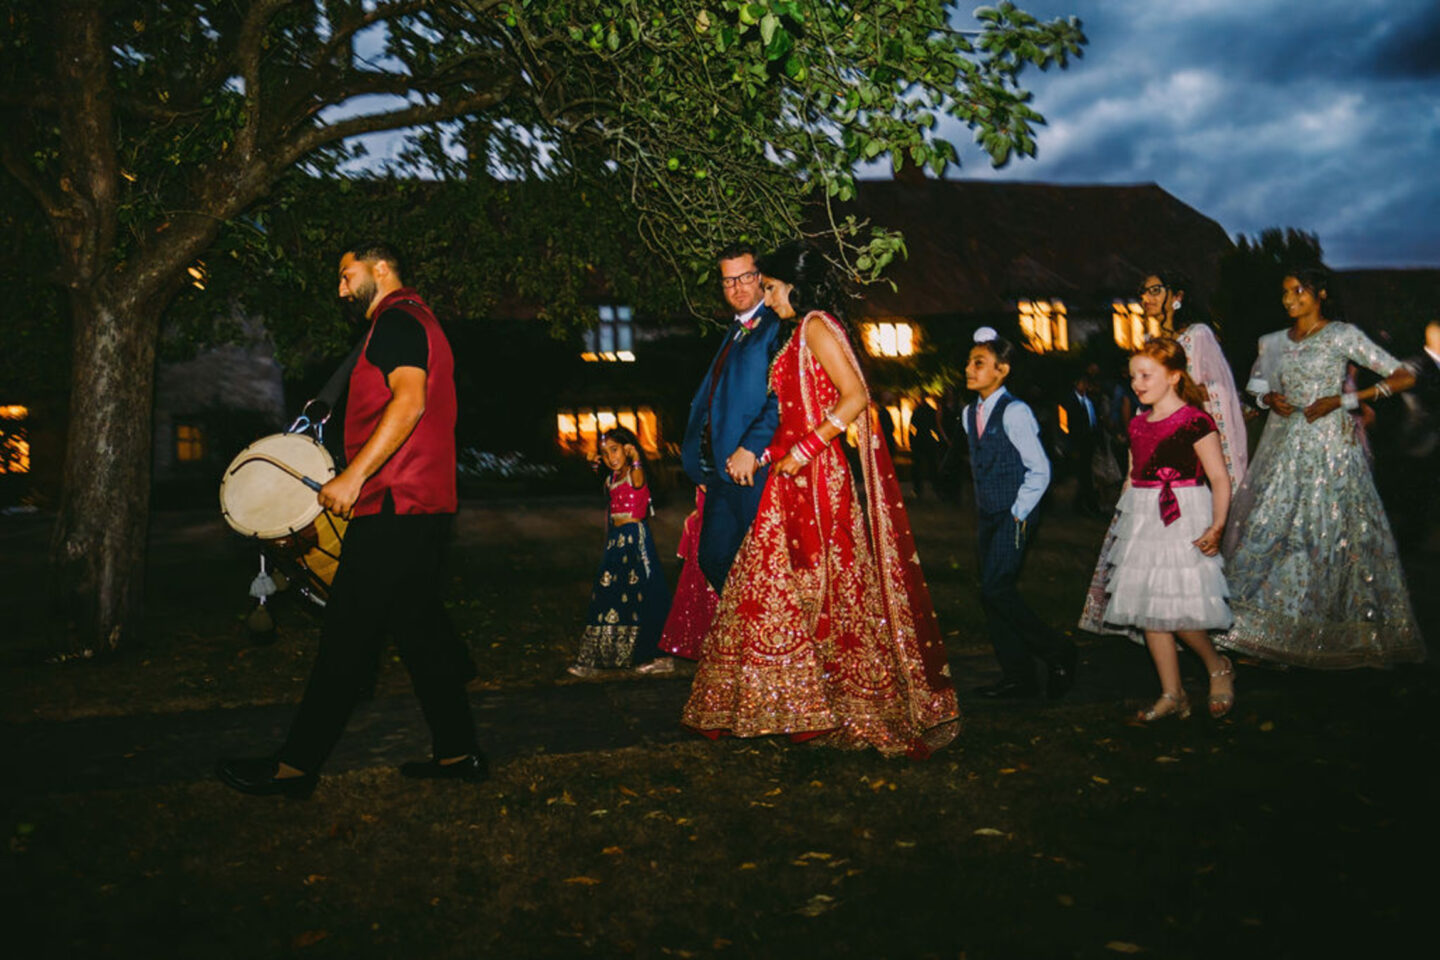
825 629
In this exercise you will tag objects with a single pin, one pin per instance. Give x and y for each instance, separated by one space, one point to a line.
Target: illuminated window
613 338
900 412
578 429
1130 325
189 443
14 443
889 339
1045 325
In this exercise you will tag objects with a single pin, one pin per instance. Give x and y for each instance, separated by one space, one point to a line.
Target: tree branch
411 116
10 157
247 55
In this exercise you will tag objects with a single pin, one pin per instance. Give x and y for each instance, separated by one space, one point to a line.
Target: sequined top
626 499
1169 442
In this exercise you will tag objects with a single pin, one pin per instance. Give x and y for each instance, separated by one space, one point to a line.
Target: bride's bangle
839 424
1349 401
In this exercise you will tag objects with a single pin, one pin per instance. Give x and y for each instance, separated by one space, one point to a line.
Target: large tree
142 128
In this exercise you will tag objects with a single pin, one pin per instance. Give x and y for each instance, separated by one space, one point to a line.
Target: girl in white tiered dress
1166 576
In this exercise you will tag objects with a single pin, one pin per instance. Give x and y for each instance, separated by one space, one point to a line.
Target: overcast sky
1317 114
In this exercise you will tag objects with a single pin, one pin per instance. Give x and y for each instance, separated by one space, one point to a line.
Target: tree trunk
98 548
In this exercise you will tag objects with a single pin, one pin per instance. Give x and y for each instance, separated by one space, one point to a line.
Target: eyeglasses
1154 290
747 277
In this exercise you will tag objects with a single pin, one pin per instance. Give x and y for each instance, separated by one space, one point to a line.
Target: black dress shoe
257 777
1061 672
1008 690
473 769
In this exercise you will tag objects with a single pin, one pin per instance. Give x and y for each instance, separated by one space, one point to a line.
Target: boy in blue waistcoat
1011 473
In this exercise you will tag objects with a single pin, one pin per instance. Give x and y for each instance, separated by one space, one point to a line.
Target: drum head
259 499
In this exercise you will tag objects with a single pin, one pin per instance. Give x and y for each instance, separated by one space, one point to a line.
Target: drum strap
340 379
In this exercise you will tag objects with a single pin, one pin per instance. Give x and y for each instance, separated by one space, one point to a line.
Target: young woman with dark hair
825 628
1315 578
1163 295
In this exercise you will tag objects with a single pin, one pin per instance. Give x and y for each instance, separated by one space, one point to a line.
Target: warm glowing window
14 444
1130 325
1045 325
889 339
189 443
613 338
578 429
900 412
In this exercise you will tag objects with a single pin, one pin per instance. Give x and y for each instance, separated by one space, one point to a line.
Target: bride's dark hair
813 283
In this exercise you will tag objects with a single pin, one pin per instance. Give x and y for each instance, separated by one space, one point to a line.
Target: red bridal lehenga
825 629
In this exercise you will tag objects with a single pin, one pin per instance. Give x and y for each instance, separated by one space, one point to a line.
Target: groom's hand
741 467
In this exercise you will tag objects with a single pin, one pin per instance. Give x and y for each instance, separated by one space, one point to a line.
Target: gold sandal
1169 705
1220 703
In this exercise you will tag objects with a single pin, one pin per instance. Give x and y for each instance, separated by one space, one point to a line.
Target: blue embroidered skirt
628 603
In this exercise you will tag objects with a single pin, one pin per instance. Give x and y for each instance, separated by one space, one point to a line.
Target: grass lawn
1303 826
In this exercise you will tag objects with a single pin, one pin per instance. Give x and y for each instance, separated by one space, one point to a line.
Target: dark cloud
1411 48
1258 113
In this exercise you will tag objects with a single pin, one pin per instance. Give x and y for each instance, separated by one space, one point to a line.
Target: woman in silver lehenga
1315 578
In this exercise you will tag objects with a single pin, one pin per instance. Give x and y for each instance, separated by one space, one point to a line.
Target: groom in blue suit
733 417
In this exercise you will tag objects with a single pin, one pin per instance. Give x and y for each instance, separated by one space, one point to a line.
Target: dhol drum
268 492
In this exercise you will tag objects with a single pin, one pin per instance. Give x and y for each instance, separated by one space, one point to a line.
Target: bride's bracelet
839 424
807 448
1382 389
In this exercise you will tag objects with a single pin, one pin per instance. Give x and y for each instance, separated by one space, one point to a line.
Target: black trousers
388 584
1016 633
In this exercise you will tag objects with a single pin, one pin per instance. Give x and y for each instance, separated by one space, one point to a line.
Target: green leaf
768 25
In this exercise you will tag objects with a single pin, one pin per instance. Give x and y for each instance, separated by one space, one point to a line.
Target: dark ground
1302 826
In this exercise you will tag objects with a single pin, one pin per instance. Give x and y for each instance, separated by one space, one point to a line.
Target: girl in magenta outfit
1165 574
695 602
630 598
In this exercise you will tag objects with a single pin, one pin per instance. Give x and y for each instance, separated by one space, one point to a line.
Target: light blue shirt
1024 432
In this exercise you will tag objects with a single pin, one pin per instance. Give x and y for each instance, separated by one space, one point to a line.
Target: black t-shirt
398 341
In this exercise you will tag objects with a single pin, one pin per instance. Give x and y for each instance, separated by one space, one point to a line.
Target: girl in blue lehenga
630 599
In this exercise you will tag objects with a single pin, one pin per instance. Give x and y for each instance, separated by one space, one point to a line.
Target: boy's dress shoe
1008 690
257 777
1061 673
472 769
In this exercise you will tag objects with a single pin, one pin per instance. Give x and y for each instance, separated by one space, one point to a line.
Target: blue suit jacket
744 413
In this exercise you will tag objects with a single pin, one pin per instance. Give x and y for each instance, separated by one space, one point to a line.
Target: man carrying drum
399 488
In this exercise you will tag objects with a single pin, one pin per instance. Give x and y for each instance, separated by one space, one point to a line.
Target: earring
1175 305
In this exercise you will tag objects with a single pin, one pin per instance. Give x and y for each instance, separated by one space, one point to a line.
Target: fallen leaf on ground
1120 946
1066 900
309 938
816 905
989 832
1098 779
1267 726
315 878
814 855
1007 769
1167 759
905 844
583 881
746 866
612 851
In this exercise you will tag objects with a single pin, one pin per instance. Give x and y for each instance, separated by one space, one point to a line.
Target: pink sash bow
1169 478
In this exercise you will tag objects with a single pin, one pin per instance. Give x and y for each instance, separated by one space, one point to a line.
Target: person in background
630 599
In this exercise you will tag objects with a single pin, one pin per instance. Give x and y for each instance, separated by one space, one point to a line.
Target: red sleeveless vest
420 476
